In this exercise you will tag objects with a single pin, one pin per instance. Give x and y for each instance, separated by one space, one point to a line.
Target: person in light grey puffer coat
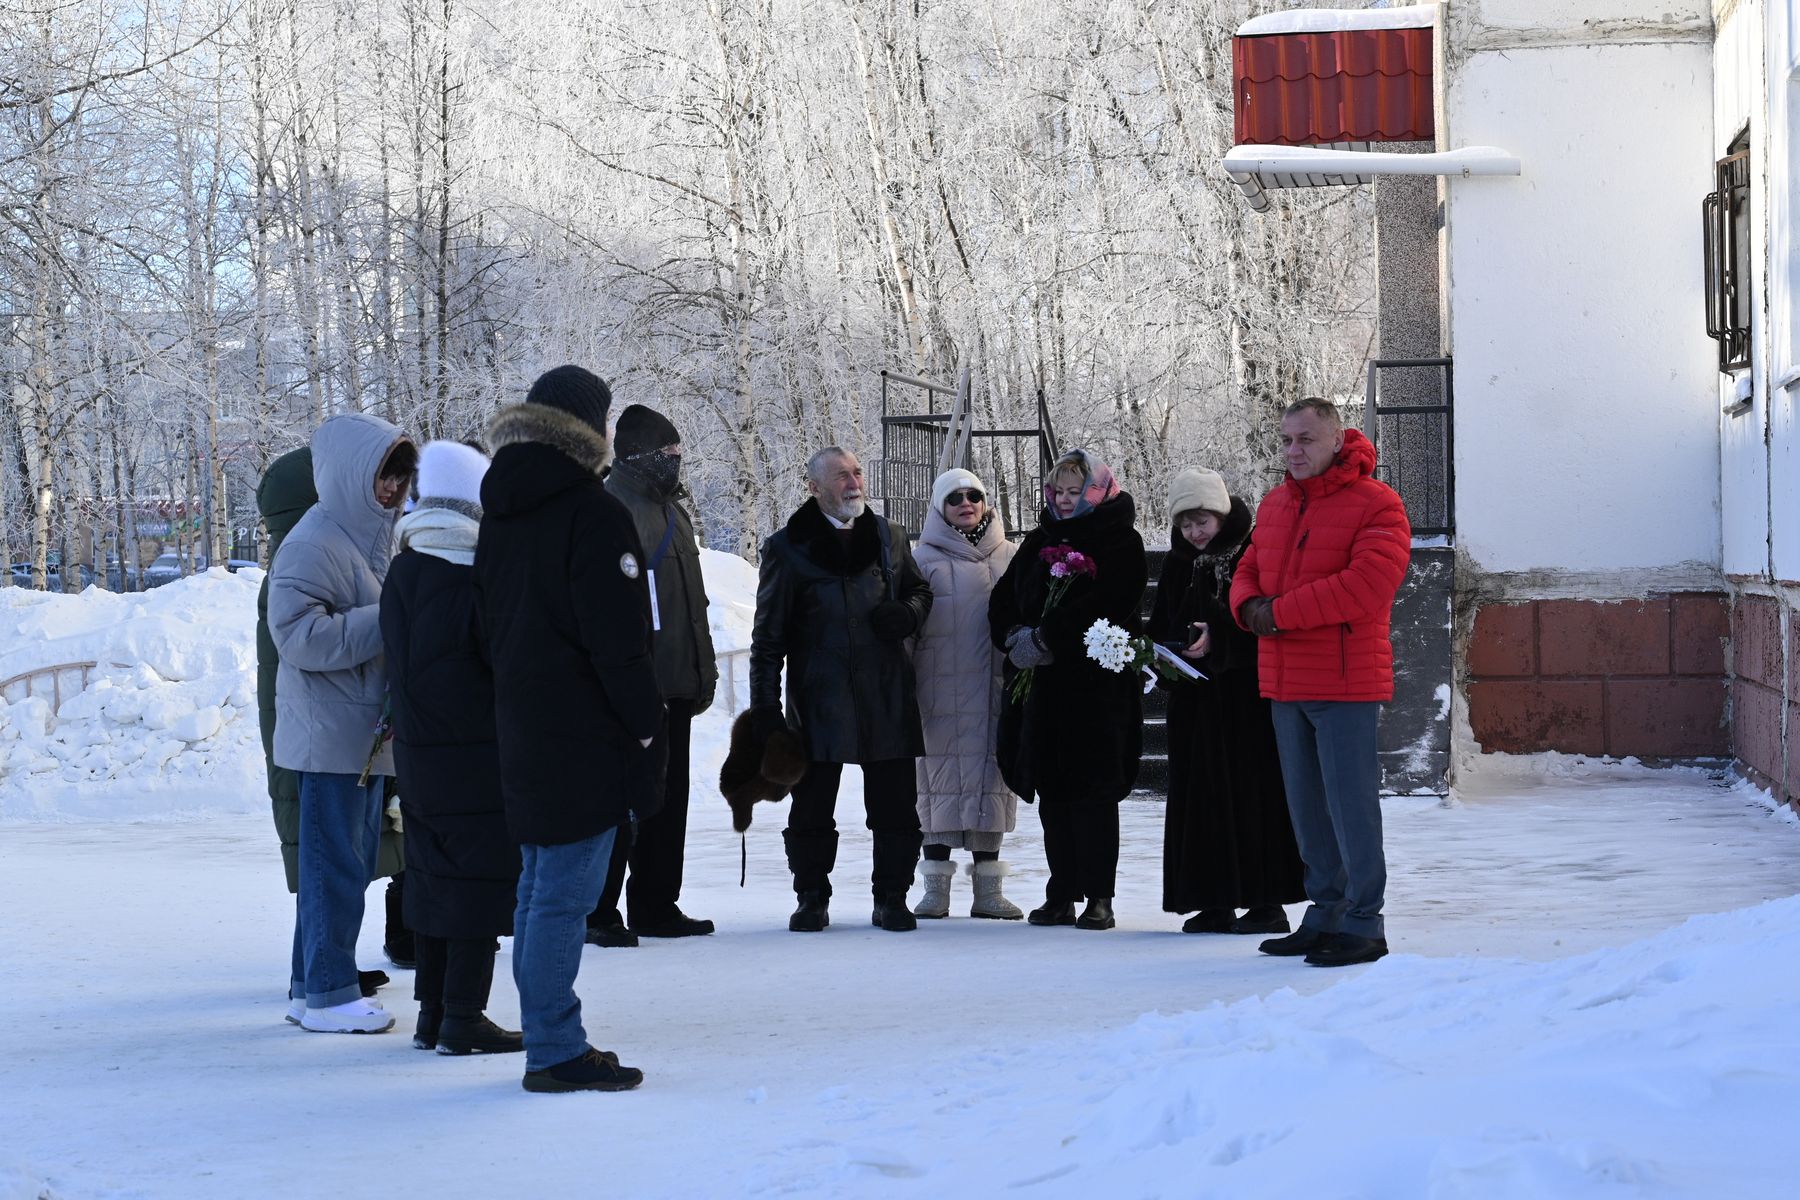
324 618
962 800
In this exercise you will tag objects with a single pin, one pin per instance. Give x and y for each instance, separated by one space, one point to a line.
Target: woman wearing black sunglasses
962 800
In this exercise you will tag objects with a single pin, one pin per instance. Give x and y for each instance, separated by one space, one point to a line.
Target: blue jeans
1328 762
340 831
558 887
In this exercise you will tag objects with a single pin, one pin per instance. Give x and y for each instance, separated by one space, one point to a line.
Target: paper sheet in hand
1181 664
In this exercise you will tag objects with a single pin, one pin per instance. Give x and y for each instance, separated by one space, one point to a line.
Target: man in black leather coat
838 596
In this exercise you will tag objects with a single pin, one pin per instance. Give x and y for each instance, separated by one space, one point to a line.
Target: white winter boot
988 900
936 900
357 1016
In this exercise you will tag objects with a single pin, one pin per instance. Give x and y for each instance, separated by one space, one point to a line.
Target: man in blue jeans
324 619
565 608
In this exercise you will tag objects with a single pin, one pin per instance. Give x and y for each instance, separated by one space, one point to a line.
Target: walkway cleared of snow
1540 1030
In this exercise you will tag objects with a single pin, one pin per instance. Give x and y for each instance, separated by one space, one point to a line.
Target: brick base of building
1765 691
1639 677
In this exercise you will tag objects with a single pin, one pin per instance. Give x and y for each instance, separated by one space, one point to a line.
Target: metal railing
1416 446
734 674
917 447
51 679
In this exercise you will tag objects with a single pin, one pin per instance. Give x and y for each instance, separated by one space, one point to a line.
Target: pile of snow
170 703
1650 1069
731 594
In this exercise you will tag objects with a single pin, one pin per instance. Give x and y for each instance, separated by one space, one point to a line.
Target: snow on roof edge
1333 20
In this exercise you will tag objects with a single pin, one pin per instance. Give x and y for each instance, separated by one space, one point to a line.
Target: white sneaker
296 1010
358 1016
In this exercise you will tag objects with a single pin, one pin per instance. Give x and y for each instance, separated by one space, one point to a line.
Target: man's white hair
815 466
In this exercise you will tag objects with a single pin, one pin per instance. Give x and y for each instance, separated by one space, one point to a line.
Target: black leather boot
461 1033
1054 912
425 1033
397 944
812 914
1097 915
892 914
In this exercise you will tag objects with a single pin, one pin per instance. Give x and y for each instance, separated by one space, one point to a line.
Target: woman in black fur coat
1227 840
1074 741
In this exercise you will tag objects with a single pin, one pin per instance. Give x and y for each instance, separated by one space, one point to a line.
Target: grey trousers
1333 791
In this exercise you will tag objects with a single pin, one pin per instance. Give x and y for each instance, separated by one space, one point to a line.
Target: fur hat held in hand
764 762
1197 487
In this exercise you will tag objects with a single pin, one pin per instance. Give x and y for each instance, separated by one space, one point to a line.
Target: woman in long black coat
1227 840
464 867
1075 740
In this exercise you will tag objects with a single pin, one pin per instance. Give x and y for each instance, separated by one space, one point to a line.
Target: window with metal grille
1726 216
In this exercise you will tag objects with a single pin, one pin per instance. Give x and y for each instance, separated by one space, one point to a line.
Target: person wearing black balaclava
646 479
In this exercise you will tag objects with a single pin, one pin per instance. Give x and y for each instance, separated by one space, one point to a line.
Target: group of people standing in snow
959 678
538 647
506 657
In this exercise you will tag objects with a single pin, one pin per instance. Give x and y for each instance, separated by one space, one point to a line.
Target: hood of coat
939 532
539 452
1355 461
1232 534
347 452
808 530
285 493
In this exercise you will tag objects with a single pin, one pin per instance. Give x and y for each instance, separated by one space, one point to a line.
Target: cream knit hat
1197 487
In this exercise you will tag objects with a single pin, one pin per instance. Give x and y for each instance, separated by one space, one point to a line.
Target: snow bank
170 705
1651 1069
1481 775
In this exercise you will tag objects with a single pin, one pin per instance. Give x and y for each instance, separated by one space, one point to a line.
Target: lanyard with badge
662 550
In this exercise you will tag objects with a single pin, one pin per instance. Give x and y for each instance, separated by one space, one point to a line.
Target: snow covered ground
1554 1021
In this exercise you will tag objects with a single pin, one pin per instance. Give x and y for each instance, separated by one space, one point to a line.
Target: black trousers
658 854
454 974
891 803
1081 841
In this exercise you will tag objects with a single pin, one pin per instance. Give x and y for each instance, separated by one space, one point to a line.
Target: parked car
21 577
169 567
53 582
234 565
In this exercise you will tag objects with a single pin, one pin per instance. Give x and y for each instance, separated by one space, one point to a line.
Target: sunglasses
972 496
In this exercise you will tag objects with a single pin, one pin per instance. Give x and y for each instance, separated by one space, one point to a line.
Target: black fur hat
764 762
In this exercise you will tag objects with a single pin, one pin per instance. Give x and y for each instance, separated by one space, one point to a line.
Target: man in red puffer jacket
1317 586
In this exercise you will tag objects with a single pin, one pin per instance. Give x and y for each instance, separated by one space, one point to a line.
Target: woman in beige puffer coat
962 802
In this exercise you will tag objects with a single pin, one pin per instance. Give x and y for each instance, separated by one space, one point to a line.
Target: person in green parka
283 496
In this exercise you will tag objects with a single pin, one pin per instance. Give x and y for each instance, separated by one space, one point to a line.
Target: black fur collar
809 530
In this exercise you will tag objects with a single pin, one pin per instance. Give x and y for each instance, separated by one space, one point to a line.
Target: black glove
766 720
892 620
1259 616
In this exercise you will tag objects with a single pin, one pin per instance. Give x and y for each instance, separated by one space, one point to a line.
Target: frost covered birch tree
225 219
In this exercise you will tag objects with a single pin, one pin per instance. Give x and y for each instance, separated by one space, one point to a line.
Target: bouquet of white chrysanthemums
1116 650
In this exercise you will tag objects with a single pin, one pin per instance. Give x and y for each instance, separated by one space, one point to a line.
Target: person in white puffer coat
962 801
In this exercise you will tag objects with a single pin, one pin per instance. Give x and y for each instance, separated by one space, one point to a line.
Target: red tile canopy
1300 87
